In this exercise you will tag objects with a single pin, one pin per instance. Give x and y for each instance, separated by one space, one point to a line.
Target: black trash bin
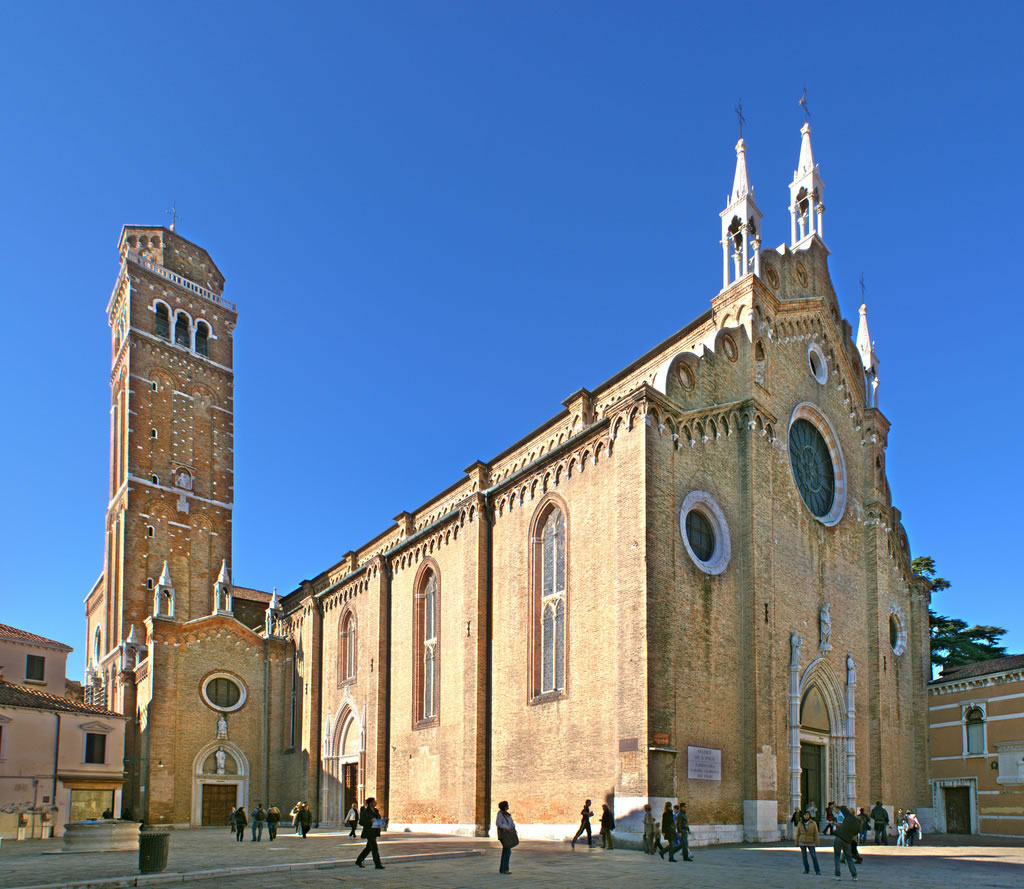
153 846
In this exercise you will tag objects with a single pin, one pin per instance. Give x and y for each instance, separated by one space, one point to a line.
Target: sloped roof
244 592
12 695
983 668
16 635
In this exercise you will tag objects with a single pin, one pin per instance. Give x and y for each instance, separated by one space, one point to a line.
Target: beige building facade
976 723
61 760
691 582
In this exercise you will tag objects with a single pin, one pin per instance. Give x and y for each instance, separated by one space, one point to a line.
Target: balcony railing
181 281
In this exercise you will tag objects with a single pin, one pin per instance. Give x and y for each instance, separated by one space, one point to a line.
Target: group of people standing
270 817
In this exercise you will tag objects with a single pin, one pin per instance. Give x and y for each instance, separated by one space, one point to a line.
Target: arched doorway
220 780
342 775
815 731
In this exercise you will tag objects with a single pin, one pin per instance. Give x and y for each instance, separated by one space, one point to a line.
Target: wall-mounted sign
703 764
661 739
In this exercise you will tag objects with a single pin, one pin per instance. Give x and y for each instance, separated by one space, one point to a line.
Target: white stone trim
810 412
821 375
895 610
705 504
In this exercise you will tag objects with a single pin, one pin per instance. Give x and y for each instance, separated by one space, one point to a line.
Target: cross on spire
175 218
803 104
739 115
862 287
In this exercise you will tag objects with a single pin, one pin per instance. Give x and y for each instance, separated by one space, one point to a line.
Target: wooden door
958 809
810 778
350 782
218 801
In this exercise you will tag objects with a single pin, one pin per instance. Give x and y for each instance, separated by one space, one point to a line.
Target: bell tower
171 445
741 226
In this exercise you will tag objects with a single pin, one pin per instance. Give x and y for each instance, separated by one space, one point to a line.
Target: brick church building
715 518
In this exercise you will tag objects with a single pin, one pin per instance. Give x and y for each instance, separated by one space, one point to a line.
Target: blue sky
440 219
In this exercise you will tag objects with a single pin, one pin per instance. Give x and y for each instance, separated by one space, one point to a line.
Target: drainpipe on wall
56 762
266 721
489 660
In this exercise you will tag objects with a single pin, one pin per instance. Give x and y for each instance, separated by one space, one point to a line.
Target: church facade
690 583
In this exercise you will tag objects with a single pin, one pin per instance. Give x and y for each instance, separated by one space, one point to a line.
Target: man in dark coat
240 822
845 836
305 819
683 831
881 819
368 815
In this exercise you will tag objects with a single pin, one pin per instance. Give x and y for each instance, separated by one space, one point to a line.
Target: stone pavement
441 862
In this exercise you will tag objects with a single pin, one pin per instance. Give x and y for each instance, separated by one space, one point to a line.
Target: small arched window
347 649
181 331
96 650
427 661
202 339
550 603
163 321
975 730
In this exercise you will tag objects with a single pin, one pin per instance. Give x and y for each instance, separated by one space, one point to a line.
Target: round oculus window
812 467
222 692
705 533
816 363
894 631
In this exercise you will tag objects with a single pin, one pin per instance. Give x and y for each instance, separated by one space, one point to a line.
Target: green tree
953 642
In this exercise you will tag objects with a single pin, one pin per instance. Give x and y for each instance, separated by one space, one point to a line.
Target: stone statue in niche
794 648
184 480
851 671
825 628
221 758
222 729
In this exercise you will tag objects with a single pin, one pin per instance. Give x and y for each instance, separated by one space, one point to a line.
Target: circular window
686 379
223 692
772 275
817 461
729 347
816 362
801 274
704 532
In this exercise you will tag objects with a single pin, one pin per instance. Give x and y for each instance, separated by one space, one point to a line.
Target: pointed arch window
427 651
202 339
163 321
550 603
181 331
347 649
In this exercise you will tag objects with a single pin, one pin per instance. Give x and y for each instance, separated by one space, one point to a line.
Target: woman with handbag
507 835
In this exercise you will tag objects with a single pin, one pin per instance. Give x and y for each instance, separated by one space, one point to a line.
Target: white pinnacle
864 344
165 576
741 181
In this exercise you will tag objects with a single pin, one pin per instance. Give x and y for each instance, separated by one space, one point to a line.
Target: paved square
441 862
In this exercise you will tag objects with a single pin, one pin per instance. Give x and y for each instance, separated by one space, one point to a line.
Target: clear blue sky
440 219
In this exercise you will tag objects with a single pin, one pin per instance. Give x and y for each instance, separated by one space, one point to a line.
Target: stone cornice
952 686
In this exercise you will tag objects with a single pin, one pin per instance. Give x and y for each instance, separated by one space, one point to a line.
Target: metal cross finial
862 287
739 115
803 104
175 218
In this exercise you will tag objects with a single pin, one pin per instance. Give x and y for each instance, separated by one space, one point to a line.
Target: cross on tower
803 104
862 287
739 115
175 218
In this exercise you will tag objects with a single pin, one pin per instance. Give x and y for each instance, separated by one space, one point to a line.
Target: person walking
865 822
371 822
240 822
586 813
305 819
231 820
668 831
842 844
507 836
683 832
881 818
273 819
807 840
352 819
294 815
607 826
830 820
650 826
901 828
259 817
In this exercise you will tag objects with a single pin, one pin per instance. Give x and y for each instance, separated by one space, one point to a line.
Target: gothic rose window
812 467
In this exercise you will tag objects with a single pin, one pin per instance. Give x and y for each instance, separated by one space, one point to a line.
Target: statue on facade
851 671
794 648
825 628
222 728
221 758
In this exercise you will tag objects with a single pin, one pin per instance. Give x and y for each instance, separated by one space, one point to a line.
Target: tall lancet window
347 648
427 658
551 572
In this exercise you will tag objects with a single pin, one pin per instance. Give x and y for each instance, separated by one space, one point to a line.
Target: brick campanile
168 520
